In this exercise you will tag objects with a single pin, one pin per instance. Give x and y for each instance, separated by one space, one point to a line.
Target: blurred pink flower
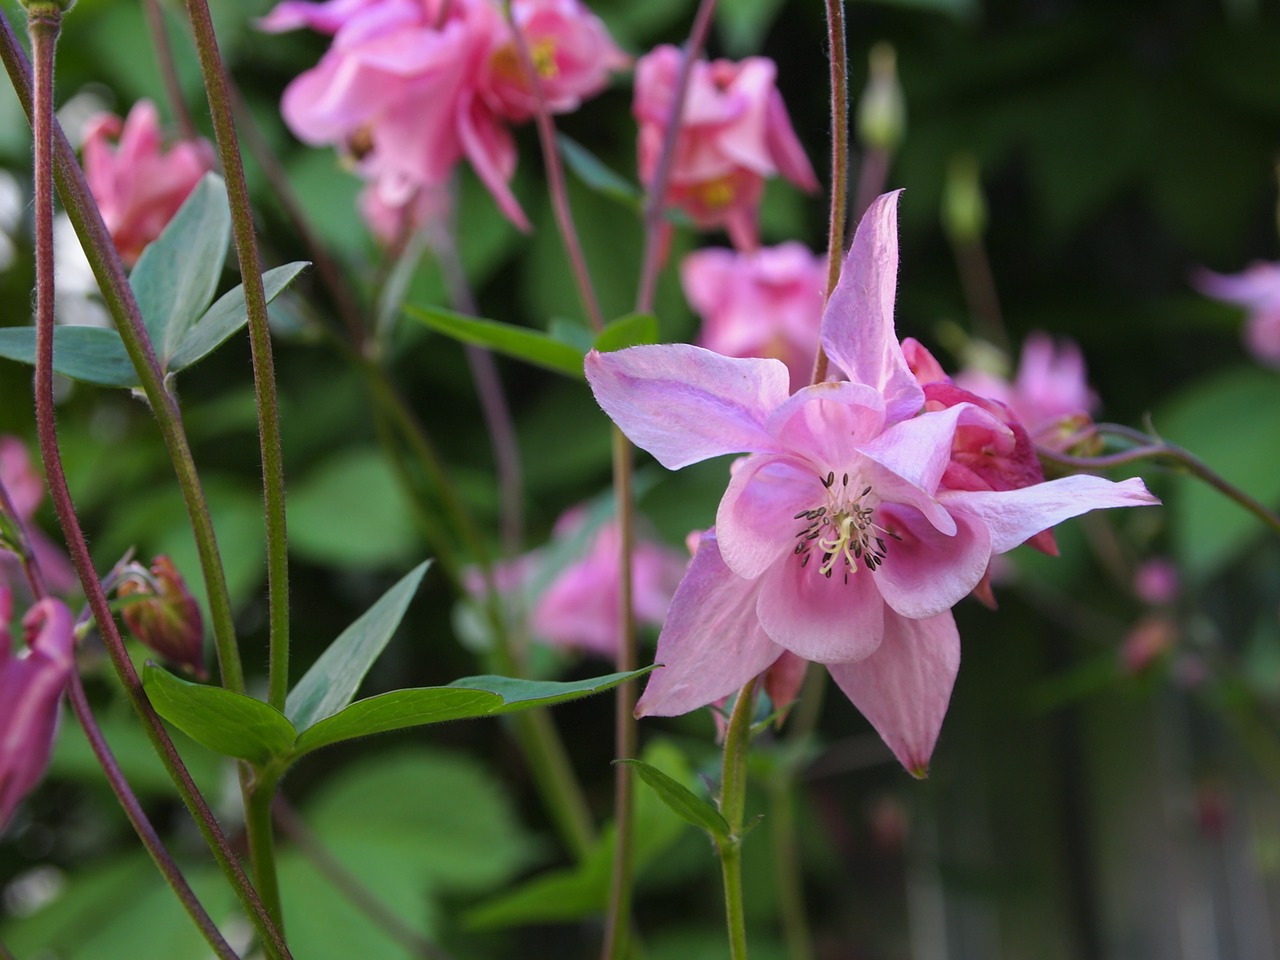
1257 289
1157 581
410 87
836 539
1050 394
26 490
734 132
137 183
31 686
762 304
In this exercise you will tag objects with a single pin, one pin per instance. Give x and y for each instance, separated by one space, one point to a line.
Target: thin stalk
618 917
786 867
44 22
555 179
215 83
979 286
873 175
260 835
1160 450
142 826
168 67
733 802
654 224
78 202
26 556
839 60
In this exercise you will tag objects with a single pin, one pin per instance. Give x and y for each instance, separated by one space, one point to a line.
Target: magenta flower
137 183
31 686
26 490
1257 289
734 133
837 539
762 304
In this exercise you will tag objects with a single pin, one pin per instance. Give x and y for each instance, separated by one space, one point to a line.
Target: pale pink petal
1015 515
783 680
492 152
904 687
684 404
827 421
785 147
743 141
754 523
857 329
712 643
827 619
926 572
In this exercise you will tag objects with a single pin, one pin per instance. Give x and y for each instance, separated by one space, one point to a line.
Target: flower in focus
578 606
26 490
31 686
137 183
163 614
838 539
410 87
762 304
1050 394
1257 289
734 132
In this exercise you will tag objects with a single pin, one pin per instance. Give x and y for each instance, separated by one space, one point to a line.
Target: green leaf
521 343
571 332
681 800
178 273
229 723
88 354
592 171
1232 422
628 331
227 316
463 699
333 679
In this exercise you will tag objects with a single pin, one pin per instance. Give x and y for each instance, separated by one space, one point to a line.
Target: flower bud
37 8
882 111
163 614
964 208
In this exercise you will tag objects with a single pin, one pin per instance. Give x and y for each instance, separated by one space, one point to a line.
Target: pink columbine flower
734 132
1257 289
762 304
836 539
26 489
1050 394
31 686
137 183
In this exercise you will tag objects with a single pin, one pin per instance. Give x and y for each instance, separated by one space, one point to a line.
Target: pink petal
857 329
827 421
684 404
1015 515
926 572
784 146
904 687
754 523
711 644
492 152
830 620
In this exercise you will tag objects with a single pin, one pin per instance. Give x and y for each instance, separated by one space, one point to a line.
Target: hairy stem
839 62
168 68
733 802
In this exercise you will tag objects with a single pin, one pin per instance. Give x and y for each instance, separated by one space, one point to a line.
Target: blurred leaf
470 697
230 723
334 678
628 331
571 332
682 801
178 272
957 8
519 342
227 316
744 23
88 354
350 512
593 172
1231 421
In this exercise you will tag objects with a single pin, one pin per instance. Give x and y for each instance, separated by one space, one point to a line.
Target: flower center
843 530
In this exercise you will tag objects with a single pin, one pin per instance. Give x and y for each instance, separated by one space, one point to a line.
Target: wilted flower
734 132
1257 289
31 686
762 304
163 614
837 538
137 183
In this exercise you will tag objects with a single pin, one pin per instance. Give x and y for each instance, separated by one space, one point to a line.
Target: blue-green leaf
592 171
521 343
333 679
229 723
88 354
681 800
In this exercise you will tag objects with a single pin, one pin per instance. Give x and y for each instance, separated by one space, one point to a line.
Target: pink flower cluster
862 513
1257 289
410 87
734 132
138 184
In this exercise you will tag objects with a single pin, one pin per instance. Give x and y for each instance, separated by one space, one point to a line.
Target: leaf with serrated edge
334 678
230 723
684 803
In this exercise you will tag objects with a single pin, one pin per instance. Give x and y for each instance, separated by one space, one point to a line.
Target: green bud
882 111
46 8
964 208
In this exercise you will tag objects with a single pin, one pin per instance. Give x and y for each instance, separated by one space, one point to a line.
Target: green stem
839 61
787 874
260 342
733 802
258 795
168 69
